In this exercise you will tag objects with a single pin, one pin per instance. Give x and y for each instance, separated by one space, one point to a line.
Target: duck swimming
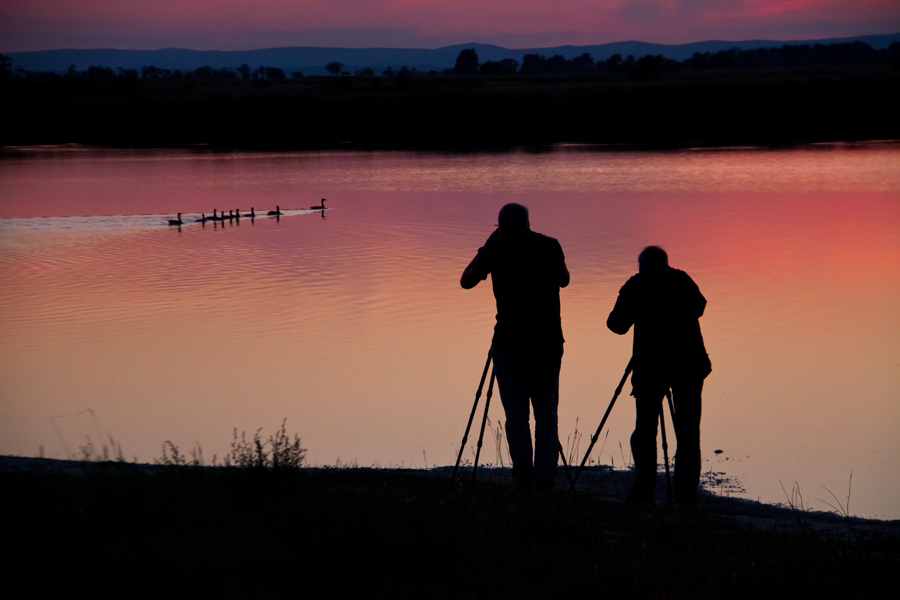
319 207
276 212
176 222
202 219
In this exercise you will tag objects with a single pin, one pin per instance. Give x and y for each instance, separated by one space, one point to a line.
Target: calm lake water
351 323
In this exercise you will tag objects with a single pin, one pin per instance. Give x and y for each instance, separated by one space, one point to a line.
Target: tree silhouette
334 67
507 66
100 73
151 72
583 63
466 62
274 73
532 63
5 66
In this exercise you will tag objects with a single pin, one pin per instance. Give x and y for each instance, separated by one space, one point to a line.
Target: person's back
664 305
525 275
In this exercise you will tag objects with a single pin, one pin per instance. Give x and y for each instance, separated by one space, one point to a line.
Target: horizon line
633 41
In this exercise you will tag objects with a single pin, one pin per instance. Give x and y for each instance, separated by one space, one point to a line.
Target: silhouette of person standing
664 305
527 270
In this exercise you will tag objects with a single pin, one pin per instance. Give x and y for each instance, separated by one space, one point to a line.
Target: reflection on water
352 324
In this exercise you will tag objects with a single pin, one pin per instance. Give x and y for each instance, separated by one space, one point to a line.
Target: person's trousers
686 398
530 378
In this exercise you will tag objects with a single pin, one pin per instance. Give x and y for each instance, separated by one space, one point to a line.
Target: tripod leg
596 435
562 455
665 445
671 409
487 405
472 415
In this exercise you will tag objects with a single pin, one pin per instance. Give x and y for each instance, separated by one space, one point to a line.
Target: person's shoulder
681 282
634 282
680 275
540 236
545 240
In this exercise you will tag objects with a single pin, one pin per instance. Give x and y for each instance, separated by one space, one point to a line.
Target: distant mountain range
312 60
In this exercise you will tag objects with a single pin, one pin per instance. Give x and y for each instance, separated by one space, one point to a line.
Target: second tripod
662 423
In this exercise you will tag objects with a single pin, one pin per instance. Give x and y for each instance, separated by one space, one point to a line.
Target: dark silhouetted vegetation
180 531
5 66
507 66
466 62
777 96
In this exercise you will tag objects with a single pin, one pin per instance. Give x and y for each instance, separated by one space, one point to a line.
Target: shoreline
601 482
181 531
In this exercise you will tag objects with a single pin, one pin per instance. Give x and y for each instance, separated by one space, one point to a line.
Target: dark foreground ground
140 531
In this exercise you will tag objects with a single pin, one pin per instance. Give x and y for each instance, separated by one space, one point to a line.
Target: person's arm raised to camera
479 268
622 317
562 273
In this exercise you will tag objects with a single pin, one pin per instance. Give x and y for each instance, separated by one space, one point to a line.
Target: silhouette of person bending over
527 270
664 305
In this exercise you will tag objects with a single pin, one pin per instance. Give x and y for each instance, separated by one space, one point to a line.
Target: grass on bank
279 532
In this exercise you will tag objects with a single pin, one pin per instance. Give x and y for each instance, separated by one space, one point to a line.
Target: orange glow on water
354 326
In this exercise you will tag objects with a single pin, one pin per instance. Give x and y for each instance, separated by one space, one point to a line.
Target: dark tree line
787 56
649 66
149 72
467 64
5 67
842 54
244 72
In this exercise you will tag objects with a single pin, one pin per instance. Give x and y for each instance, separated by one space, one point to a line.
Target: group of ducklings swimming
236 214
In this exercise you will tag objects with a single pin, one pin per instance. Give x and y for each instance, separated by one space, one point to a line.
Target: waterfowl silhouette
252 213
230 216
319 207
276 212
176 222
237 214
202 218
215 217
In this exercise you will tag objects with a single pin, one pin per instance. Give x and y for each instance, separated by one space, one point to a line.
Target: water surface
352 325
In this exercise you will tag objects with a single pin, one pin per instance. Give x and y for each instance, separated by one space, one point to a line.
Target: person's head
652 258
512 217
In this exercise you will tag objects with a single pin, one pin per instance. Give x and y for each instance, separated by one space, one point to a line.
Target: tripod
487 404
662 421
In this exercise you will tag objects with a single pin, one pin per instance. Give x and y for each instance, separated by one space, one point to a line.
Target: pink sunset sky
243 24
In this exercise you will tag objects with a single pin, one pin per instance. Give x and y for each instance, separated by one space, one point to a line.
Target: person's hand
493 239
